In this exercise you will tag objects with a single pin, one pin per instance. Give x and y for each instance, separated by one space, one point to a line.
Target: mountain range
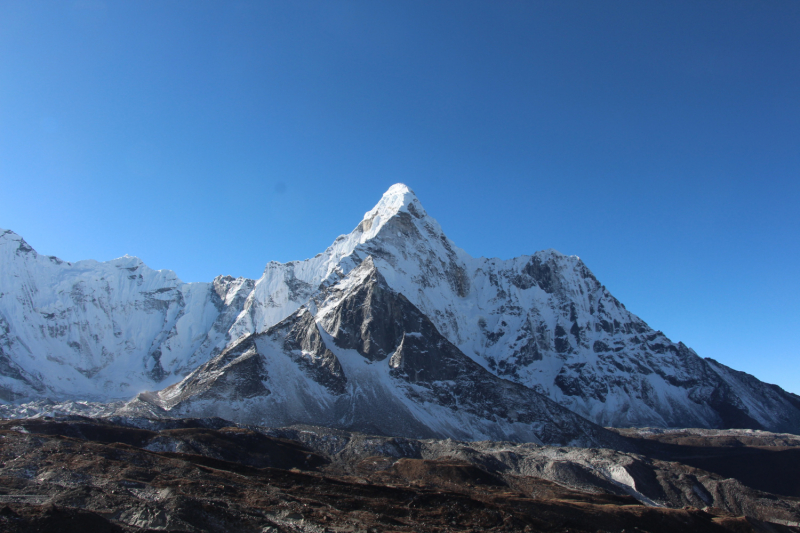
392 330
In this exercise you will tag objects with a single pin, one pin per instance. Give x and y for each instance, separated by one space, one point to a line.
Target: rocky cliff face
328 325
367 359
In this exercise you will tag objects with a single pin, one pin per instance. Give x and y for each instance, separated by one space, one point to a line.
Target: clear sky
658 141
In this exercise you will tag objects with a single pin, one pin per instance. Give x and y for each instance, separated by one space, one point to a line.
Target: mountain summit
529 333
399 198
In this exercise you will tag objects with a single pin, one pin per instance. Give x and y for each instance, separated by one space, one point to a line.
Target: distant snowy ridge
100 330
110 330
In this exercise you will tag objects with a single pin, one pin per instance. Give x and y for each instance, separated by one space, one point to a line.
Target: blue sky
660 142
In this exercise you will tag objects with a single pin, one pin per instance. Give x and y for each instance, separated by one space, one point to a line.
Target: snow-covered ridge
95 330
367 360
108 330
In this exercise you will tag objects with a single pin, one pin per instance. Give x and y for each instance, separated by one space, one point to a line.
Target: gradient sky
660 142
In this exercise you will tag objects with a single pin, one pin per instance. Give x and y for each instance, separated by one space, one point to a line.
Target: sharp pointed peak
398 198
399 189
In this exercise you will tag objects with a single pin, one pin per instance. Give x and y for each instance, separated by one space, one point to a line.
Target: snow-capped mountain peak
542 321
400 204
12 243
398 198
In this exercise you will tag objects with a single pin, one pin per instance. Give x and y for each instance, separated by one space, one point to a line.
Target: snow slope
100 330
543 321
363 358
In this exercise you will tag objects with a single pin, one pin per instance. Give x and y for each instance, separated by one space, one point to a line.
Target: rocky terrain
132 474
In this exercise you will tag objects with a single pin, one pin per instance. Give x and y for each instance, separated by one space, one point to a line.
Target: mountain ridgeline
392 330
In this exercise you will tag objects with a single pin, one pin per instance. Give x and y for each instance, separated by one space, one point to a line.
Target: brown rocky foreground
118 475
